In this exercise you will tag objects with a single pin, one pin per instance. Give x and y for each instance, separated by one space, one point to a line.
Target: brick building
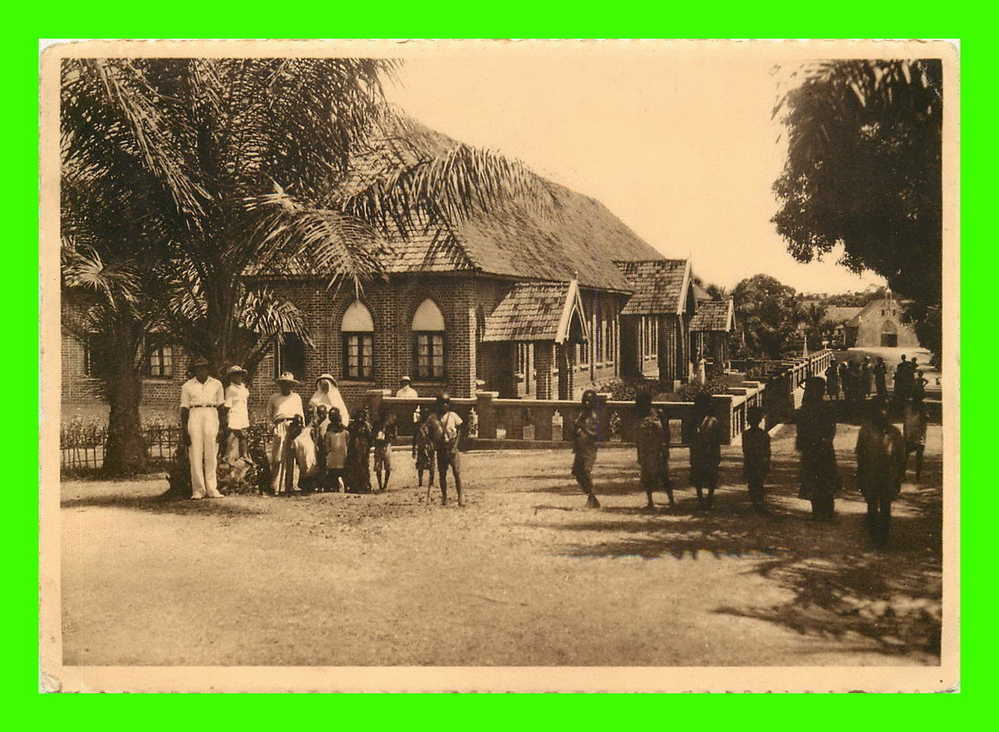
529 301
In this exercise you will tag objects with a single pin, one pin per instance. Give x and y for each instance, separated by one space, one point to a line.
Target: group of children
344 455
881 449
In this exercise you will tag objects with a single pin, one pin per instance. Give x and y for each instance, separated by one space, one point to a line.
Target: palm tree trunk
125 453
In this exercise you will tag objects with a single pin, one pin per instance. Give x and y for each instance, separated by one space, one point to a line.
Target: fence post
603 415
487 414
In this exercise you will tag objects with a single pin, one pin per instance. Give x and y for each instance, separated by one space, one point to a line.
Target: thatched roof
576 236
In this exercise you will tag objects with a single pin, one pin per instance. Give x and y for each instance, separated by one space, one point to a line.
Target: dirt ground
523 575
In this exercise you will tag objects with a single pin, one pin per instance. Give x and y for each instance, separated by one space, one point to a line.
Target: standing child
705 450
914 423
652 444
584 446
358 453
445 429
335 450
319 426
236 398
423 451
756 458
880 469
385 432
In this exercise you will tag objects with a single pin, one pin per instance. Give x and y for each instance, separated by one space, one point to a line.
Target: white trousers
203 427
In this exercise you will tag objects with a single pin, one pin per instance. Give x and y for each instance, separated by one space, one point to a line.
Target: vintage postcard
499 366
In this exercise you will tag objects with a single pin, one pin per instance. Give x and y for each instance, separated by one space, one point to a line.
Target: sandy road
522 576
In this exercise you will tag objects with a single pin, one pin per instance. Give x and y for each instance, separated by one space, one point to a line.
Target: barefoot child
445 427
756 458
584 446
423 451
358 452
385 432
705 450
335 450
652 445
236 397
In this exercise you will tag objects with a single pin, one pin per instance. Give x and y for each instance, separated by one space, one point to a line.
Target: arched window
428 342
358 331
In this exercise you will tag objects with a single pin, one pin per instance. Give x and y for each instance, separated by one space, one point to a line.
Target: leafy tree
864 169
184 173
813 317
768 313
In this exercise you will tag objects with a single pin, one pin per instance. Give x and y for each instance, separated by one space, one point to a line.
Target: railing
494 422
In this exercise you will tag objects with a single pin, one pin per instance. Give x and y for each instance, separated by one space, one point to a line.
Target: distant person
880 378
237 396
756 458
832 380
903 382
705 450
867 377
335 451
423 451
914 422
652 447
446 427
816 427
584 446
880 468
919 383
406 390
287 417
385 431
202 424
358 468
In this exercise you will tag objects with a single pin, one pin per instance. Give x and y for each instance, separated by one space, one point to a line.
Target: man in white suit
202 408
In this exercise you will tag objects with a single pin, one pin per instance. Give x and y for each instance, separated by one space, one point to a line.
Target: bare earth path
522 576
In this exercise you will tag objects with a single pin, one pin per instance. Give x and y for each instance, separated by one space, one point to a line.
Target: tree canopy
863 170
768 312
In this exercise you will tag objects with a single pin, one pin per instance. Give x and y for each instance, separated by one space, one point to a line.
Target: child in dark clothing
756 458
358 452
334 452
652 444
423 451
385 431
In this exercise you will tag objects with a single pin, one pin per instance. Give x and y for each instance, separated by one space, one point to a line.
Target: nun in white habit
327 393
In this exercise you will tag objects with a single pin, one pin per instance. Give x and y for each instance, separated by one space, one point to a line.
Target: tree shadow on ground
839 586
159 504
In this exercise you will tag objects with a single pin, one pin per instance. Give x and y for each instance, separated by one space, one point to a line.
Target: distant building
711 329
877 324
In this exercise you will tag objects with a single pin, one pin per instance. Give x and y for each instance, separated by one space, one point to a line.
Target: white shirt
336 449
195 394
407 392
236 396
450 423
285 407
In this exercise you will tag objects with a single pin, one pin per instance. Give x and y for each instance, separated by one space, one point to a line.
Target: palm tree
220 164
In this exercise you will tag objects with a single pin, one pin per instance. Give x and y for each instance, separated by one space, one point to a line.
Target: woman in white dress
328 394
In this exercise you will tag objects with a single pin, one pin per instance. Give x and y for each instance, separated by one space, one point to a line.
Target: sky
680 146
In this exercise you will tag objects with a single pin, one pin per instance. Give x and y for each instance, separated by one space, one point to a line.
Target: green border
516 19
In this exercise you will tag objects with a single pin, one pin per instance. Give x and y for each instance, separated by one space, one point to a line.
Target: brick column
544 354
487 414
375 397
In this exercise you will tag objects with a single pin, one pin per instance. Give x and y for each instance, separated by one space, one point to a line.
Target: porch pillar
544 361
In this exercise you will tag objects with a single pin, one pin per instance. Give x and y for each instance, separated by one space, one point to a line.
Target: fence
495 422
82 447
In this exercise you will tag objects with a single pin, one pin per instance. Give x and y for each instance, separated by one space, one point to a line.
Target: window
159 364
358 330
290 356
605 345
428 342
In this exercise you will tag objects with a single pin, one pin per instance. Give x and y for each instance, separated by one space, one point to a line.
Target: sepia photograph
499 366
